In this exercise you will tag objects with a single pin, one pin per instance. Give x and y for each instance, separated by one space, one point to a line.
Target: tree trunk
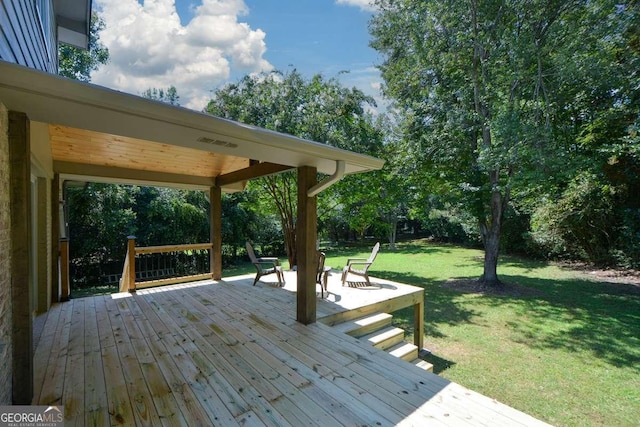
393 234
280 188
491 249
491 231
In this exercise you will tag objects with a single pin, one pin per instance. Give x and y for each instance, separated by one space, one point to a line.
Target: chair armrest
365 262
355 260
272 260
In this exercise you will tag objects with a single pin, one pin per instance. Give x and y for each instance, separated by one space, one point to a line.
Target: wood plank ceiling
94 148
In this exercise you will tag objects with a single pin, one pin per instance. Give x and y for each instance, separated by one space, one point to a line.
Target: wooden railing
158 276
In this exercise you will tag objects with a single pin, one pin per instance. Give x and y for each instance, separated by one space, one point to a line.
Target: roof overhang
114 119
73 18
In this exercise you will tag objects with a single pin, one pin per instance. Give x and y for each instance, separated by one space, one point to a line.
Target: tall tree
484 84
78 63
316 109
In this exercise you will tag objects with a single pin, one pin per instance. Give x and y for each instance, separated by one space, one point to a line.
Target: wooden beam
20 206
131 175
306 236
257 170
215 220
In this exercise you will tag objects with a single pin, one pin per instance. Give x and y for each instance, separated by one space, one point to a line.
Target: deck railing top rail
172 248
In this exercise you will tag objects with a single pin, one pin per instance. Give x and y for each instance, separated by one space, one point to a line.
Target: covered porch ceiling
99 134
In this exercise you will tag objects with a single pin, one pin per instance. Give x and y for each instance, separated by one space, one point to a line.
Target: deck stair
376 329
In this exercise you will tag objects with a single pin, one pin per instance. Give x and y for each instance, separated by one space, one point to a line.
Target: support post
43 246
418 328
306 236
64 269
131 262
215 220
55 237
20 215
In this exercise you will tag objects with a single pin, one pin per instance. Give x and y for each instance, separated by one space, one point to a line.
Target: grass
567 352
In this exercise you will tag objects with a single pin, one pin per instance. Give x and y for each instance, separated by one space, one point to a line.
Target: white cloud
362 4
150 48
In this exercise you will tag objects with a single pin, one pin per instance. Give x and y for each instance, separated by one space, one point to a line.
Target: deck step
423 364
365 325
385 338
404 350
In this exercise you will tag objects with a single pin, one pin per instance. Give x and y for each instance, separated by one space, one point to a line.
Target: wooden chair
322 274
265 265
360 266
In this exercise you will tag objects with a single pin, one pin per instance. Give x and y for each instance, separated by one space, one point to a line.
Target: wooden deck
226 353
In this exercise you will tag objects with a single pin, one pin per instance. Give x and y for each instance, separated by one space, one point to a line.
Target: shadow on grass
579 316
439 364
597 319
439 305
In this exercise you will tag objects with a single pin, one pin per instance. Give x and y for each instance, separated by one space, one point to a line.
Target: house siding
6 320
22 38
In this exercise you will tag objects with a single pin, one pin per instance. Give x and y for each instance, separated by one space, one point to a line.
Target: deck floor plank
74 391
143 407
95 389
348 393
53 385
160 392
228 353
285 379
233 369
212 389
44 350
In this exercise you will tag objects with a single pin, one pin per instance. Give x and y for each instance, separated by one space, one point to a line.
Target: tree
315 109
78 64
486 89
169 96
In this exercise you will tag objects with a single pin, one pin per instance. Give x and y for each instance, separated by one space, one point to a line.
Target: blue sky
199 45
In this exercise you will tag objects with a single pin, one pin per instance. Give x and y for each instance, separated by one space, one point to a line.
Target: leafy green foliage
78 64
168 96
507 102
100 217
315 109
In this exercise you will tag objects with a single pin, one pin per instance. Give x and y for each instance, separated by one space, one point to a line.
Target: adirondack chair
360 266
322 274
265 265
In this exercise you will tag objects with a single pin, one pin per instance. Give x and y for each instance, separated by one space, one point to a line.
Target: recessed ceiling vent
217 142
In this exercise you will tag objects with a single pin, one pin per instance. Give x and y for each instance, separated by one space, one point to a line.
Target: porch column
55 236
215 220
20 183
306 236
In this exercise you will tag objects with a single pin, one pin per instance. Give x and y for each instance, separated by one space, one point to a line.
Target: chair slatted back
374 253
252 255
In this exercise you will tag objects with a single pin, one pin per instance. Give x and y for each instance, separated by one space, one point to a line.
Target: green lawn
568 352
